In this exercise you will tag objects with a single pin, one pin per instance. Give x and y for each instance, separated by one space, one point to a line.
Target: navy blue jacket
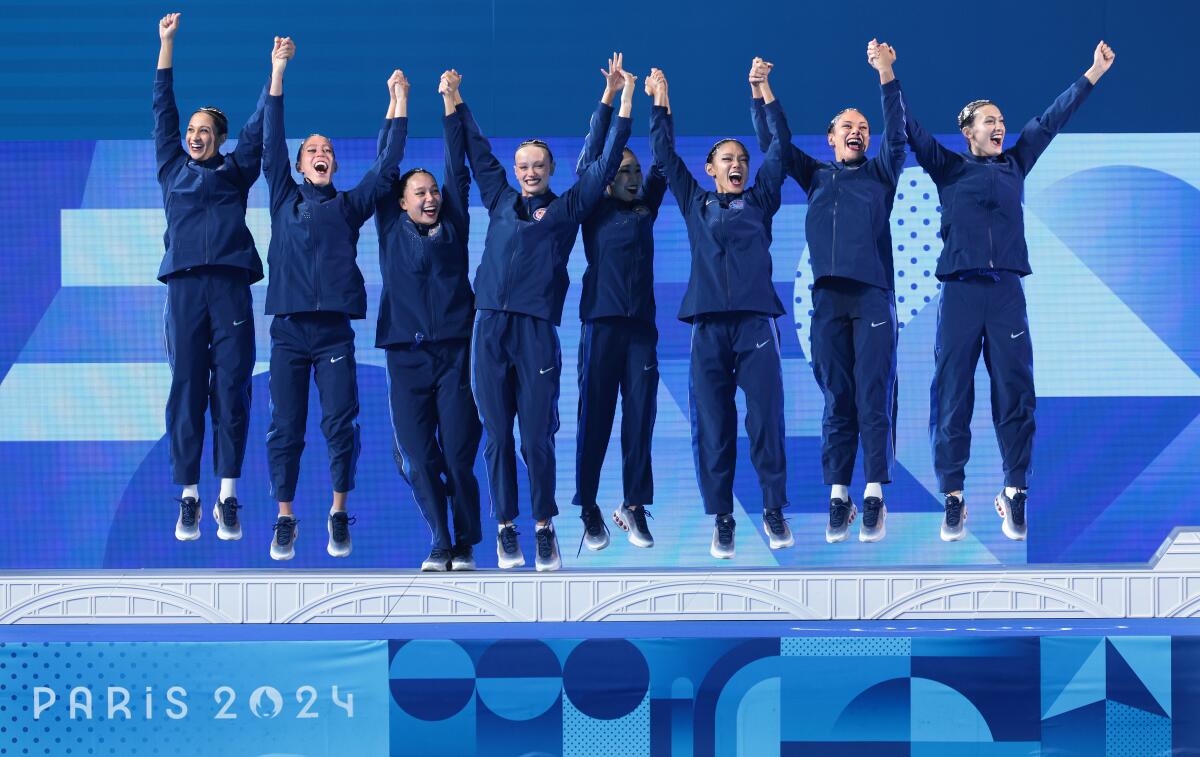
983 223
730 234
426 286
314 230
848 225
618 240
205 202
524 266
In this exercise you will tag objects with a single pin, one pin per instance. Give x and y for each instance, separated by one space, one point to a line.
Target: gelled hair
966 116
713 151
833 121
404 177
538 143
303 142
220 122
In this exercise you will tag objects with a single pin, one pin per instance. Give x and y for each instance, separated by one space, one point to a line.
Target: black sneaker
722 541
438 561
632 518
462 557
1013 511
775 526
229 527
187 526
954 519
339 534
547 548
842 513
283 542
873 526
595 531
508 549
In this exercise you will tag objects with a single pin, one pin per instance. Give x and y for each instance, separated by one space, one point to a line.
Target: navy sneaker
777 530
229 527
873 526
953 520
338 527
508 549
187 526
842 513
547 548
1013 512
437 562
595 532
283 542
632 518
462 557
722 546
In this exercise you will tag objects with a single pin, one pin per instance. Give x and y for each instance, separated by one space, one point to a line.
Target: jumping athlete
983 258
854 326
316 289
519 290
425 316
618 342
209 265
731 305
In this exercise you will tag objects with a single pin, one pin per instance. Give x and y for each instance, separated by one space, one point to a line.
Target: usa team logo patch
737 204
537 214
437 229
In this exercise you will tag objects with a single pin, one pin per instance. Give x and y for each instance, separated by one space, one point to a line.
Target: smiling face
533 166
849 136
203 138
729 165
984 131
316 161
422 199
628 183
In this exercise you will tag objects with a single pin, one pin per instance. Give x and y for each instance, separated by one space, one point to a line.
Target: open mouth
321 166
855 143
735 178
196 147
632 188
429 211
997 140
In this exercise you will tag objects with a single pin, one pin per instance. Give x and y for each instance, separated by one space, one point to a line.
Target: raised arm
456 184
275 165
930 153
168 146
581 199
882 57
387 205
768 181
489 174
1036 135
662 144
593 144
377 182
798 164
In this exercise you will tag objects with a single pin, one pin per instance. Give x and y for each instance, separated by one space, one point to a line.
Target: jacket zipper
833 242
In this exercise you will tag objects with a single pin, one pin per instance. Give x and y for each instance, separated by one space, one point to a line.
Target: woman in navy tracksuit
983 258
209 265
314 292
732 306
618 343
425 317
519 290
854 303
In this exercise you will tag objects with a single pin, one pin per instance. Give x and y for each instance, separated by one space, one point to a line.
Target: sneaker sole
331 546
775 543
185 536
435 567
461 565
548 567
953 536
870 537
719 555
1009 529
282 555
507 563
634 538
224 533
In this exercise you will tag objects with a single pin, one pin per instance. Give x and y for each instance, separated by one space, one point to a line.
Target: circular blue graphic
432 679
606 678
518 679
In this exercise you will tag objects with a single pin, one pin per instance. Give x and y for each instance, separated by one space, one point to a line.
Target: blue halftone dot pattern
1130 732
626 736
846 646
606 678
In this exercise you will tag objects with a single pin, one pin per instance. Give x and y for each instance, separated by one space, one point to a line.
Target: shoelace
639 517
439 554
871 508
229 508
508 539
839 510
341 525
545 542
775 521
285 529
954 507
593 524
725 530
1017 505
188 510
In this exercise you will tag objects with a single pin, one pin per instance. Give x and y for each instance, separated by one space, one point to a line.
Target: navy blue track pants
516 366
436 433
320 345
854 360
732 350
616 353
982 313
208 323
